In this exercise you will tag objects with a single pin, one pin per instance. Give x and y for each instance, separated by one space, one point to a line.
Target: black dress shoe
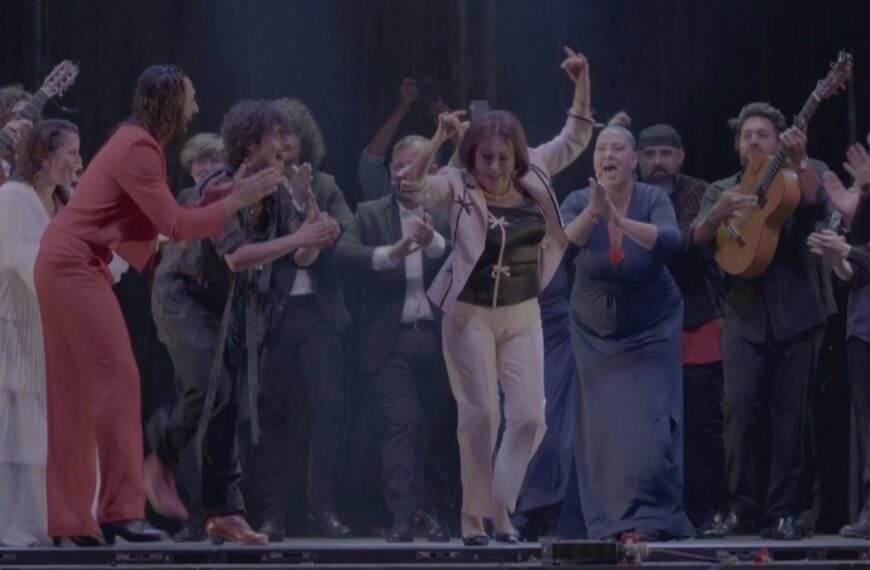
858 529
191 532
475 540
326 523
784 528
436 529
274 529
507 537
83 541
402 531
719 526
131 531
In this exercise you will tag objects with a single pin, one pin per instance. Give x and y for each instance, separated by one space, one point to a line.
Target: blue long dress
548 473
626 322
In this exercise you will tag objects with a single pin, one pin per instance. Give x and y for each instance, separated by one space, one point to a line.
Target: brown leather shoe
233 528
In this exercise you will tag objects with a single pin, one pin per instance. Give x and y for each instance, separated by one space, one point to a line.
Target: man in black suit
397 249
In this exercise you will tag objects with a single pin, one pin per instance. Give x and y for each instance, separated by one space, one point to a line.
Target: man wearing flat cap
660 159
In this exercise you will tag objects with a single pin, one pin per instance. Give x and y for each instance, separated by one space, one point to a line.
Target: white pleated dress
23 439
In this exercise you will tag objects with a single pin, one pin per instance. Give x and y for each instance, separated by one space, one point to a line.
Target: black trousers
704 472
300 350
858 362
191 343
417 424
760 378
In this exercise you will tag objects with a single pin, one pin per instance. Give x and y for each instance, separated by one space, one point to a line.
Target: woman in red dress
121 203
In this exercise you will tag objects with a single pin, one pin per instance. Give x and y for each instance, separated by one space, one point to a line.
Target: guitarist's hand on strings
729 204
17 129
794 145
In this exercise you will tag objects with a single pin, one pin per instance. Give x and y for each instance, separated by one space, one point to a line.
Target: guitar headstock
61 77
840 73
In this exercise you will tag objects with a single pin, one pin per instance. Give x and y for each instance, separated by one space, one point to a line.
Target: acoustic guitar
59 80
746 243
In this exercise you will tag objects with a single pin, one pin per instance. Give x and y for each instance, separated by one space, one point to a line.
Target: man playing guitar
770 335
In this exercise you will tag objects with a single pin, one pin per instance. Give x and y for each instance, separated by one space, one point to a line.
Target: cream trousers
485 349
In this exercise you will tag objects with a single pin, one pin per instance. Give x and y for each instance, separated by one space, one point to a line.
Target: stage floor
739 552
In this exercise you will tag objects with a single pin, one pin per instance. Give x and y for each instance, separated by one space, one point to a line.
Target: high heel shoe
131 531
82 541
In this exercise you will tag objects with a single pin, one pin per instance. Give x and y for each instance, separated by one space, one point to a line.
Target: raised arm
431 190
380 143
558 153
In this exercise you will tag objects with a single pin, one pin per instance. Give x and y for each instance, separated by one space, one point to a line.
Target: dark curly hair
244 126
158 102
43 139
757 109
303 124
11 95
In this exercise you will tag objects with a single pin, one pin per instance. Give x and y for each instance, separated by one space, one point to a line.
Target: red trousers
92 390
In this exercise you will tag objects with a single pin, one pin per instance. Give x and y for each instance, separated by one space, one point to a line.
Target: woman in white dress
47 161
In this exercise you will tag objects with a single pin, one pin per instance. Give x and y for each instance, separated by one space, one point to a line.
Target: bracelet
584 118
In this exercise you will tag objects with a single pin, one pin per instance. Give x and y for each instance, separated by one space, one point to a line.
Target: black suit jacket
323 272
382 293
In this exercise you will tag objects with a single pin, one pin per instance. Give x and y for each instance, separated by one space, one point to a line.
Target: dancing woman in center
508 241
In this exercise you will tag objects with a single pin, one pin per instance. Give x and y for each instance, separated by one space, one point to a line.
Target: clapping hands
421 232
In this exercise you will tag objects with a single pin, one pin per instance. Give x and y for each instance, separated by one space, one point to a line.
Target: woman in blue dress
550 469
626 315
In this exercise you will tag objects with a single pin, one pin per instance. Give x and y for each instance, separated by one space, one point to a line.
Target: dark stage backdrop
692 64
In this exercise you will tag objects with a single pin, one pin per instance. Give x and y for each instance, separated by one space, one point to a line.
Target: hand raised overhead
450 124
575 65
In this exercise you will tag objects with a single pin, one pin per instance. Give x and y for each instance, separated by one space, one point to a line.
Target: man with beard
660 159
770 329
121 204
193 287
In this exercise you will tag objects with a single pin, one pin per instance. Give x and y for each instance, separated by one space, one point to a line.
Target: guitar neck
31 112
801 121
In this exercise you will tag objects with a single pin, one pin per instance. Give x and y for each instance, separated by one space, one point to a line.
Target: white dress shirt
302 281
416 306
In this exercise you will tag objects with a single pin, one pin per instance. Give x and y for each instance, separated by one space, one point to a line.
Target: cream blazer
456 191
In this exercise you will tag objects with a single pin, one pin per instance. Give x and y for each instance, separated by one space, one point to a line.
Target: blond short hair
201 145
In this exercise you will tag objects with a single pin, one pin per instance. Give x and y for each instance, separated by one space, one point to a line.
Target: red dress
121 203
